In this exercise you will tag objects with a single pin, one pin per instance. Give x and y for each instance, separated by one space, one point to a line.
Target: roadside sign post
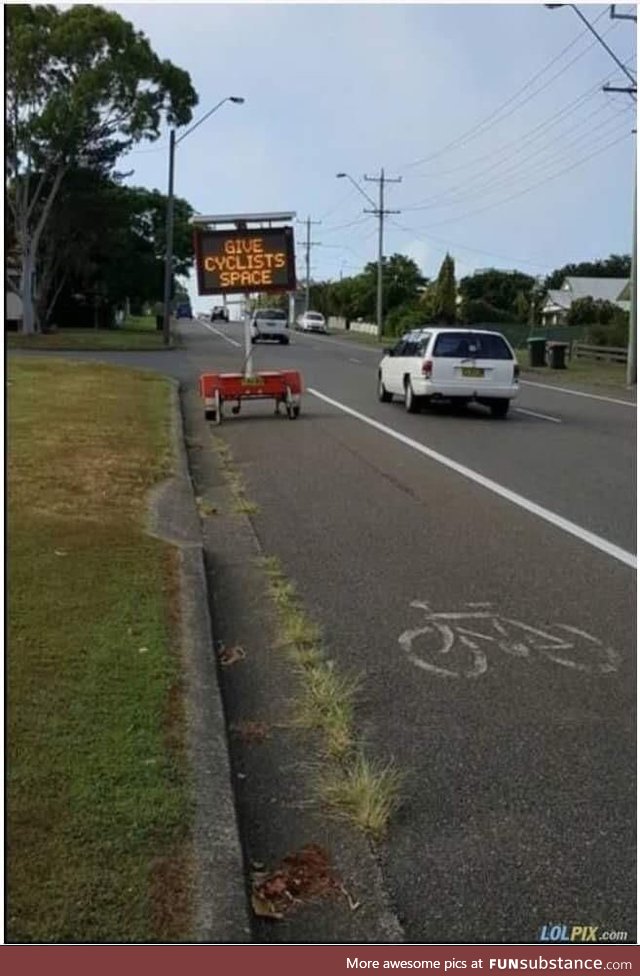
248 359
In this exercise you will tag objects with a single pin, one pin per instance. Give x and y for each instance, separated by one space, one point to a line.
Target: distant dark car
220 312
183 311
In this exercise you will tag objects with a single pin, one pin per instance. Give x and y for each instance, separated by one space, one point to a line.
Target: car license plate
472 371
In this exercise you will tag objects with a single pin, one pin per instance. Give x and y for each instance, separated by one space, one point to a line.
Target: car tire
411 401
284 341
254 339
499 408
383 394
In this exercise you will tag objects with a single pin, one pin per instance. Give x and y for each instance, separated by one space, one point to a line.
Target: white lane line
561 523
221 334
359 361
540 416
590 396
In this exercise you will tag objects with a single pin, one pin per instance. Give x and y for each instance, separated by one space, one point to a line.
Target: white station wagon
460 365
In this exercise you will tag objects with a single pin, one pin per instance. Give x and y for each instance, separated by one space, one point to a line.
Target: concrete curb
221 909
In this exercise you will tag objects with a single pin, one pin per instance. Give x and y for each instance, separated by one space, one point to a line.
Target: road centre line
221 334
590 396
540 416
557 520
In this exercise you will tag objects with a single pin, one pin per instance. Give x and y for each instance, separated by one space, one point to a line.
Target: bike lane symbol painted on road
456 644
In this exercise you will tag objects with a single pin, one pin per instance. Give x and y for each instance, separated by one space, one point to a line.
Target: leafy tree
107 240
82 86
588 311
521 308
496 290
445 292
478 310
615 266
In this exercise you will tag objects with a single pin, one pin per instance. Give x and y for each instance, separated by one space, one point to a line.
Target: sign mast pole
248 358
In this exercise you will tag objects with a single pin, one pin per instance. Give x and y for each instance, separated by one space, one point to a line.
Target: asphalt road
508 695
518 744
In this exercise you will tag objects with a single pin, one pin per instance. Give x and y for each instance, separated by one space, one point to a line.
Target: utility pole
380 213
632 91
308 245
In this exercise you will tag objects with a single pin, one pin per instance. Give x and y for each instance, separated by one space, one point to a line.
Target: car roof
415 333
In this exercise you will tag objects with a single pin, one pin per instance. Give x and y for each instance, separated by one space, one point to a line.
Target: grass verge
578 373
138 333
96 790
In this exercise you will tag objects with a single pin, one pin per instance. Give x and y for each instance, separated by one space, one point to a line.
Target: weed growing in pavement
241 504
351 786
364 792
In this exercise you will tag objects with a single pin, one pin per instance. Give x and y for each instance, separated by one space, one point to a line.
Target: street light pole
168 257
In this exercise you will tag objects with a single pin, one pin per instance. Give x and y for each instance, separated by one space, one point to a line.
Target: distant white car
460 365
269 323
312 322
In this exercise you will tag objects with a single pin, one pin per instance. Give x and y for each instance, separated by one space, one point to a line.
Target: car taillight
427 366
516 371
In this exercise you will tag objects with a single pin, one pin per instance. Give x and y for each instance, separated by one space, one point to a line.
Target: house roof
603 289
557 298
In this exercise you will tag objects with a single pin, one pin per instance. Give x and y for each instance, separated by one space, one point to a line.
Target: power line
482 126
452 198
528 189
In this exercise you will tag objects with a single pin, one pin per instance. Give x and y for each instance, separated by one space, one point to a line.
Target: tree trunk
26 293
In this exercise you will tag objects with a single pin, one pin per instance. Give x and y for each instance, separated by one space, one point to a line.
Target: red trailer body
283 386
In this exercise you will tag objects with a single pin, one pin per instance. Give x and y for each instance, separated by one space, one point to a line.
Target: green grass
138 333
97 795
579 372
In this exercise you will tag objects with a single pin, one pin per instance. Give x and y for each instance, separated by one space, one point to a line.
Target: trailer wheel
293 410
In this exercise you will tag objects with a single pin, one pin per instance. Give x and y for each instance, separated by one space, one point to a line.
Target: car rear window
271 313
476 345
315 315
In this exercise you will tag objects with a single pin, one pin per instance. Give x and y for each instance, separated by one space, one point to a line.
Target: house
559 300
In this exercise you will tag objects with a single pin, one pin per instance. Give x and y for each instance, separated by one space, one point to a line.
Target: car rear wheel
383 394
411 401
499 408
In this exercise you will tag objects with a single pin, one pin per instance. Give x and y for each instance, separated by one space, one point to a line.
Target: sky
510 154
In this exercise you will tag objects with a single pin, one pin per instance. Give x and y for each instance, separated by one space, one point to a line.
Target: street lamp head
340 176
554 6
236 99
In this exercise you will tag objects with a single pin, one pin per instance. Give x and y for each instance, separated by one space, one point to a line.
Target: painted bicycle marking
455 644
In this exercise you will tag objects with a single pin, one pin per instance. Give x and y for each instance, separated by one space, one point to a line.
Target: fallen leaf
264 908
143 650
61 552
230 655
301 876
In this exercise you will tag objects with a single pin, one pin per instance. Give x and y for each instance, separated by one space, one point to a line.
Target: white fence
369 328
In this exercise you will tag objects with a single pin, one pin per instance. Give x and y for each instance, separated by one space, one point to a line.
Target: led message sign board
245 260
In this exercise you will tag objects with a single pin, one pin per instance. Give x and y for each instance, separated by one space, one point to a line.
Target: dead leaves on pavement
302 877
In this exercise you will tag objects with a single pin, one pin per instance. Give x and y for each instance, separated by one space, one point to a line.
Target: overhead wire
545 180
519 171
483 126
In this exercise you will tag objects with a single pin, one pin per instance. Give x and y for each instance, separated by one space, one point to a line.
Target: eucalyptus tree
82 87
